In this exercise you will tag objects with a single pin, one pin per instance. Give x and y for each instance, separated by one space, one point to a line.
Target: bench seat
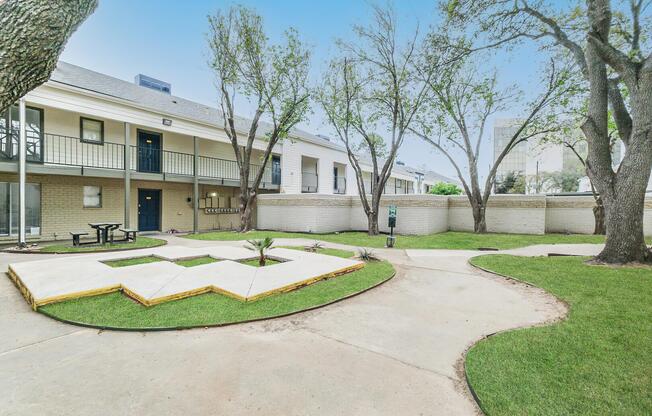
75 237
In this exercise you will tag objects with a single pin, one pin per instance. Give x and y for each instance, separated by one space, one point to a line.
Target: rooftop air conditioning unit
153 83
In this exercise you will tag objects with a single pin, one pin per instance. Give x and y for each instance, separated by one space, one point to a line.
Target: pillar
195 186
127 167
22 149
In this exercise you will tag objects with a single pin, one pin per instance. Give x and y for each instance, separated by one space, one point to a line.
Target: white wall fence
427 214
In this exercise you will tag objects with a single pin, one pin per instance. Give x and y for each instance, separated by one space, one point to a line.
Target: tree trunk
624 201
479 218
372 220
246 211
598 214
625 242
32 35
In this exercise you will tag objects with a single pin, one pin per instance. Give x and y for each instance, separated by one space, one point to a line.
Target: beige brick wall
62 207
427 214
417 214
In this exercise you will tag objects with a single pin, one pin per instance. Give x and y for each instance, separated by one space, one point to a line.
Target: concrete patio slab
57 279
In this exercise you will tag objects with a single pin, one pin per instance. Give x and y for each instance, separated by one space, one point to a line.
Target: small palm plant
367 255
261 246
315 247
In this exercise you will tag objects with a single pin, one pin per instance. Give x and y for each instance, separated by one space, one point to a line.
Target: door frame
160 207
160 141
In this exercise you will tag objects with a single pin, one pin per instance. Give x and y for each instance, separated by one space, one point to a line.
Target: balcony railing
309 182
71 151
339 185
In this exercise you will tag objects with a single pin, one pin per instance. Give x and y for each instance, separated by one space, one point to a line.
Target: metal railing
71 151
309 182
339 185
148 160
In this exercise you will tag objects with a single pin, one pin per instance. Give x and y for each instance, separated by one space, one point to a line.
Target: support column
22 149
127 185
195 186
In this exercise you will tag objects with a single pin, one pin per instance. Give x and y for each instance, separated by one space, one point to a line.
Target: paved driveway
394 350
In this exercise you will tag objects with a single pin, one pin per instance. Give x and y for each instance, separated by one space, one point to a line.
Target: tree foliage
607 41
33 34
370 94
463 99
443 188
273 78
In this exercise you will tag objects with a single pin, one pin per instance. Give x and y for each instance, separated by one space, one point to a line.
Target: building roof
85 79
111 87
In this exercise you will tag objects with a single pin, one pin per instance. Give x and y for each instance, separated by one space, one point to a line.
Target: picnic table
104 229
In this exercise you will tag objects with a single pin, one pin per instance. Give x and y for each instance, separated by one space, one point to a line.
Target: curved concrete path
394 350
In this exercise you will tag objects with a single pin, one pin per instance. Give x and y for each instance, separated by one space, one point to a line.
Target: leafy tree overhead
607 42
511 183
371 94
272 78
33 34
461 101
443 188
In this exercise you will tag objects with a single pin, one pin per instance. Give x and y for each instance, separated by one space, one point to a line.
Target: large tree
271 78
455 121
370 95
33 34
608 50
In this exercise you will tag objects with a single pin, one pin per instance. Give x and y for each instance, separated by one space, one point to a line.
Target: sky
166 39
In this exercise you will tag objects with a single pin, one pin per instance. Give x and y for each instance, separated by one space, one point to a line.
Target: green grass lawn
255 262
196 261
141 242
447 240
133 261
324 250
117 310
597 362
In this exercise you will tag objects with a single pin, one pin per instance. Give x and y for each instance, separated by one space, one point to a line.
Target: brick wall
62 207
427 214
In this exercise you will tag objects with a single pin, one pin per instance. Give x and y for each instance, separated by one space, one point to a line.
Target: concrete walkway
394 350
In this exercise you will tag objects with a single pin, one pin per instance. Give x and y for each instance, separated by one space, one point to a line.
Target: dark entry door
149 209
149 152
276 170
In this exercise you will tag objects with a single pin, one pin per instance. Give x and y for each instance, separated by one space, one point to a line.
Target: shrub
443 188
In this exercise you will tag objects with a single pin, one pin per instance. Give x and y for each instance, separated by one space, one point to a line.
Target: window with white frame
92 196
92 131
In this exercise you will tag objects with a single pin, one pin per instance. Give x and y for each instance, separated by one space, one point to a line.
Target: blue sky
166 39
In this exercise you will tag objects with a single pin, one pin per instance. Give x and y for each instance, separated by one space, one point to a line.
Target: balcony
309 182
55 149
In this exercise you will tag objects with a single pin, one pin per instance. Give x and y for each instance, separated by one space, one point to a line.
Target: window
9 208
9 131
92 131
92 197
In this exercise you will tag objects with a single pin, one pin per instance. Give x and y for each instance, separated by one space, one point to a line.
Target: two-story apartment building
104 149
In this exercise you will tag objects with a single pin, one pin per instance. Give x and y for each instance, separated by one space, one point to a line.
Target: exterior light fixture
167 122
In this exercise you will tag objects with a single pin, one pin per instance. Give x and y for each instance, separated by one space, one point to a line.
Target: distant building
541 165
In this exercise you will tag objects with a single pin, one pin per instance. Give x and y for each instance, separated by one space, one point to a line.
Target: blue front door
149 152
149 209
276 170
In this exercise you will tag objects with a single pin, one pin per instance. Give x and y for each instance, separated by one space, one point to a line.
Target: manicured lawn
141 242
597 362
447 240
117 310
197 261
328 251
132 262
